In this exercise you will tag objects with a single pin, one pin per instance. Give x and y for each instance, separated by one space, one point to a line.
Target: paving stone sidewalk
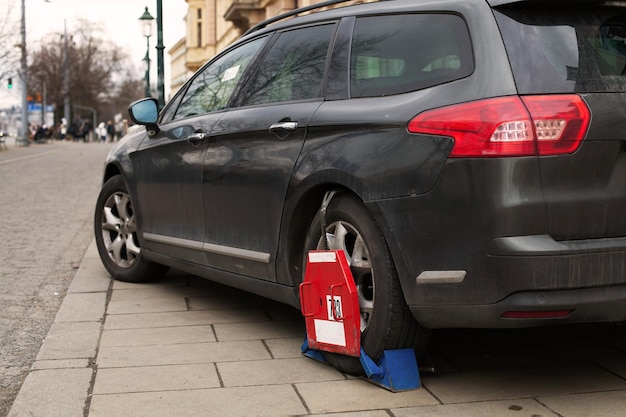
187 347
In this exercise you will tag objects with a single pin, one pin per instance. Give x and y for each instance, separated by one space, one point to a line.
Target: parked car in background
469 156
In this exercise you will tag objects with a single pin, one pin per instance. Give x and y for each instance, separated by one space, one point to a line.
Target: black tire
116 235
386 321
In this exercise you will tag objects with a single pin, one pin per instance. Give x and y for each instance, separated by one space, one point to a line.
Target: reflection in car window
212 87
397 54
170 109
293 68
575 50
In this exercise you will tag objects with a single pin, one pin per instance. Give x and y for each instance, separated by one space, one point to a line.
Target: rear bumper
544 245
477 245
483 260
530 274
588 305
584 277
463 271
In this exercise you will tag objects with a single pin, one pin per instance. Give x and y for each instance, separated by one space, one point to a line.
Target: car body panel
584 192
471 238
169 174
246 174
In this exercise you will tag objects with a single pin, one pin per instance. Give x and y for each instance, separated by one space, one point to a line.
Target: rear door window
565 50
395 54
293 69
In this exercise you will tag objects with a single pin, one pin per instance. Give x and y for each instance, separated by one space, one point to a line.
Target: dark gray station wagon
468 155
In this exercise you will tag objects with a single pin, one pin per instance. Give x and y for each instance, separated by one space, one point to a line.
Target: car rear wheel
116 235
386 322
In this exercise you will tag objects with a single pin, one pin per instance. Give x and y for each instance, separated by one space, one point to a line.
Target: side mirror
145 112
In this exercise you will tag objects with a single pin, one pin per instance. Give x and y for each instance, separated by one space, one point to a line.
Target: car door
169 165
253 150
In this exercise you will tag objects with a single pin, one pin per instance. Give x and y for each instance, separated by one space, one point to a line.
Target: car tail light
509 126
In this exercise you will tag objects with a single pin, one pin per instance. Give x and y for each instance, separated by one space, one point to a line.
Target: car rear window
553 50
395 54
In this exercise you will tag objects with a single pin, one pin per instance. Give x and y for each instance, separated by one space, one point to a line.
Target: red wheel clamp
330 306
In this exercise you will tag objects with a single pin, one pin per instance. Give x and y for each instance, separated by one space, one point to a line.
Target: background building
212 25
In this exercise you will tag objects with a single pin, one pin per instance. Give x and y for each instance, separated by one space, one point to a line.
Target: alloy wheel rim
119 230
341 235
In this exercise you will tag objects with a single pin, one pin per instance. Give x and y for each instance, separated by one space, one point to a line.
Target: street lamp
146 21
160 61
66 72
24 127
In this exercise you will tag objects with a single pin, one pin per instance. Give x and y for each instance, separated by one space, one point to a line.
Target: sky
118 19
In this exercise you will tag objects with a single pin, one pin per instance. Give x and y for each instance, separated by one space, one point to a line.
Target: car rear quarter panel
363 144
451 227
365 140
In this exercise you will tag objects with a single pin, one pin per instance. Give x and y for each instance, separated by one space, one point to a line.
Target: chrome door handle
290 126
197 136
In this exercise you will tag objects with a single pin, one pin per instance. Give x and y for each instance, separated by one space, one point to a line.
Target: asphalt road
47 197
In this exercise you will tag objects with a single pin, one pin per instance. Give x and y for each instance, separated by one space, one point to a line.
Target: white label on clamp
330 332
322 257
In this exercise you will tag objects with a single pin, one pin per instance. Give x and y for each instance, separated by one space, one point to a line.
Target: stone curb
60 381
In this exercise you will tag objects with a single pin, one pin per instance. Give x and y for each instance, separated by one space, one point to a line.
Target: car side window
293 69
212 87
401 53
170 110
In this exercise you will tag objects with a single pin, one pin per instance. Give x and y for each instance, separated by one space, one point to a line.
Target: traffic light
10 83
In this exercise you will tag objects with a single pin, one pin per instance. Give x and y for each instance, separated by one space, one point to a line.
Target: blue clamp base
397 370
312 353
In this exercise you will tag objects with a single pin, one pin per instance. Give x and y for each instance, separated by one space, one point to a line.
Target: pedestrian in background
102 132
63 129
111 131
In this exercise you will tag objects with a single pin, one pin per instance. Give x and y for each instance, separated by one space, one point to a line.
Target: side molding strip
210 247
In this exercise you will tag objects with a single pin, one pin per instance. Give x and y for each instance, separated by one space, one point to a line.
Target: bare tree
101 76
9 41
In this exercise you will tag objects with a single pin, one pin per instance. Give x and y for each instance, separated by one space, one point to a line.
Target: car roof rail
294 12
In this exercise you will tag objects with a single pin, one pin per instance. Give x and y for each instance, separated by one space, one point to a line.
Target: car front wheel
116 235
